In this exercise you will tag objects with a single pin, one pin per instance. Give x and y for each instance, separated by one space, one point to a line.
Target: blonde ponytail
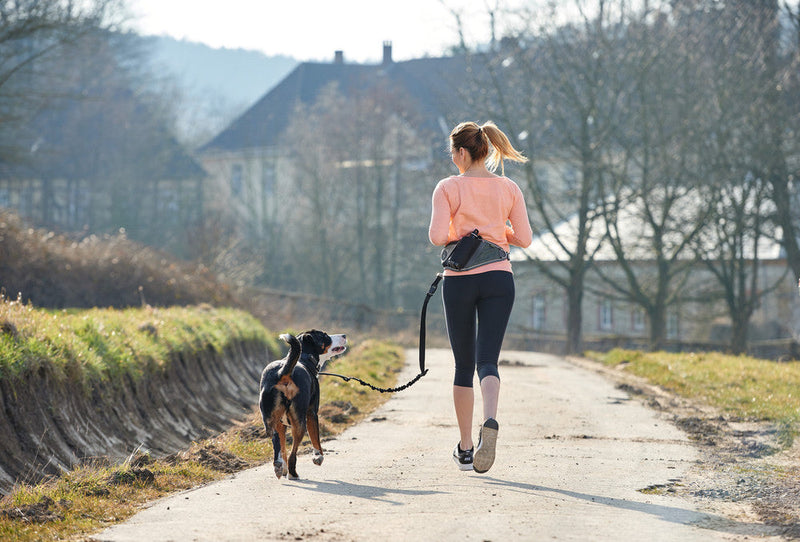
485 141
501 148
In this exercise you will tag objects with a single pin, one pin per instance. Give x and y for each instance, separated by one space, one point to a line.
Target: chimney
338 57
387 52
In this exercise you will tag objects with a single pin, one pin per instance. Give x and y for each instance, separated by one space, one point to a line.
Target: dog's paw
280 468
318 457
293 476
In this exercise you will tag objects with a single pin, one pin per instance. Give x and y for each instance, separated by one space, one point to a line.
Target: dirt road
574 453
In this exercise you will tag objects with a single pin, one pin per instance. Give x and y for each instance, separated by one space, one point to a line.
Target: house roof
428 82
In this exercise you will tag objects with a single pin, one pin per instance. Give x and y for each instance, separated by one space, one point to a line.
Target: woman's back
462 204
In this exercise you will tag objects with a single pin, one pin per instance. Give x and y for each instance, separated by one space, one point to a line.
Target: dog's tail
294 354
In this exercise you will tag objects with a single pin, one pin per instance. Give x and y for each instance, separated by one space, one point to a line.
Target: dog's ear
315 341
324 341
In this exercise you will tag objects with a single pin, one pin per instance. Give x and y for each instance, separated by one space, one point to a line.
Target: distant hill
217 84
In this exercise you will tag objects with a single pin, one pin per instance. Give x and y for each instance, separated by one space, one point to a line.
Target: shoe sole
483 458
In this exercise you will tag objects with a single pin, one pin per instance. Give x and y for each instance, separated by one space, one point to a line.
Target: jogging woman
478 301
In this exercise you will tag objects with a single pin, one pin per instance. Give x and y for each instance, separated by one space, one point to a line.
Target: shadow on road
373 493
666 513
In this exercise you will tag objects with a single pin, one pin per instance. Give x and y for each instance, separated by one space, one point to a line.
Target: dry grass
742 387
56 271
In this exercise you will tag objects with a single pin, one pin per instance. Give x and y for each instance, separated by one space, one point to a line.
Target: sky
311 30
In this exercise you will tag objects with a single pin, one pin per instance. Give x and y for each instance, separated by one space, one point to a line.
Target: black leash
422 370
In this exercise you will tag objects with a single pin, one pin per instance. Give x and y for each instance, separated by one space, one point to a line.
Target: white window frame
605 320
539 312
638 319
673 325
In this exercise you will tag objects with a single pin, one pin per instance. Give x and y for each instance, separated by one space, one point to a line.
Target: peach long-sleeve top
493 205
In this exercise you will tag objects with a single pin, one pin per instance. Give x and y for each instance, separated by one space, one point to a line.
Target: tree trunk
575 318
658 328
739 334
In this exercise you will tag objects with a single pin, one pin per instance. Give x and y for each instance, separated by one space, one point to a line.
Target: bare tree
98 154
356 201
557 91
577 96
740 160
316 232
33 36
659 108
657 173
731 248
780 87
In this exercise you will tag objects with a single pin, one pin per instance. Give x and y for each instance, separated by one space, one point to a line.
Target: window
268 179
606 320
79 199
637 319
236 180
168 206
538 312
673 327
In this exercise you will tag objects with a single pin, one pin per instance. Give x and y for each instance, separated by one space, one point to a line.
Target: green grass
105 344
740 386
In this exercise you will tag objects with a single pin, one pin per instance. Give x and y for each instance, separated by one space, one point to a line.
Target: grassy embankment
93 346
96 345
739 386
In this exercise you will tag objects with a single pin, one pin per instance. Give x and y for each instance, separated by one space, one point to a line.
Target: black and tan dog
290 395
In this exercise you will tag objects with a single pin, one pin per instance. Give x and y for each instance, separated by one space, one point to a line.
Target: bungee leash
422 370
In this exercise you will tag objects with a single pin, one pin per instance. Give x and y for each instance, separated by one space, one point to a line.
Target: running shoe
463 458
484 453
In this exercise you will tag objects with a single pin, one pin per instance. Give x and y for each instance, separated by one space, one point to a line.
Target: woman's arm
439 228
520 232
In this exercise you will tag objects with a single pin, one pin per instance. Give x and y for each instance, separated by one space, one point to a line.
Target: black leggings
488 297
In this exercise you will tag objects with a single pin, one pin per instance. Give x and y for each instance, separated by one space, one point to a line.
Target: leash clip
435 284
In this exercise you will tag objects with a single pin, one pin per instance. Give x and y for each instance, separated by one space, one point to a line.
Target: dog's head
321 345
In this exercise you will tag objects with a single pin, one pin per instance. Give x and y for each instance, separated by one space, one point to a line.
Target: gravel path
578 459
